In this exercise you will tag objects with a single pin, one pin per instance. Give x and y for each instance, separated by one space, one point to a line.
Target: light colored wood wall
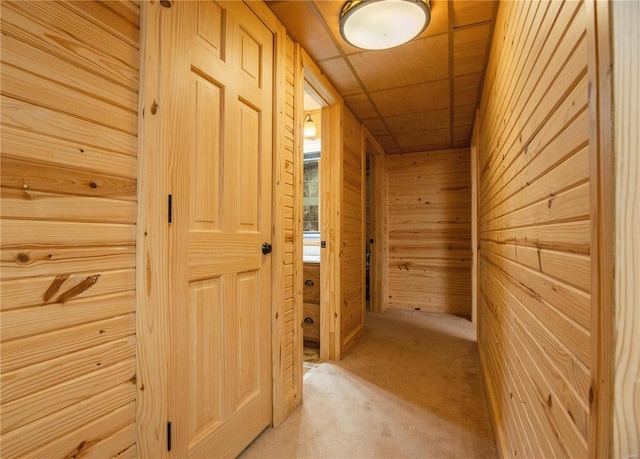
69 206
429 231
287 237
535 233
626 84
353 227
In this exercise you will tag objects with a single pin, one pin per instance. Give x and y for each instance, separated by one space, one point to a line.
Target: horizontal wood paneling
534 207
69 211
429 230
287 330
75 37
290 223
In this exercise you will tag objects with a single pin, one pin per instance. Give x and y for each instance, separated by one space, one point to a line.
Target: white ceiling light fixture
382 24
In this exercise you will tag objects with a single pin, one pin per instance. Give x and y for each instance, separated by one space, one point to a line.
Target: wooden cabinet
311 296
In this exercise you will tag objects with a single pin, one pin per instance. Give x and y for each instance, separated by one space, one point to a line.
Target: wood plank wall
429 231
352 227
287 244
534 229
69 206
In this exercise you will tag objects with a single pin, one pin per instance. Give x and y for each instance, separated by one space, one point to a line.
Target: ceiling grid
419 96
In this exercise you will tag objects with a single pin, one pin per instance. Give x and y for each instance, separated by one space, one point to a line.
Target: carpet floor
410 388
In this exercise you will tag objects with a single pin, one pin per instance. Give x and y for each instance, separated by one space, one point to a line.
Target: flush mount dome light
382 24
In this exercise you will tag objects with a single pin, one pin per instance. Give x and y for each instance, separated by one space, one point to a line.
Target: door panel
206 319
220 158
206 167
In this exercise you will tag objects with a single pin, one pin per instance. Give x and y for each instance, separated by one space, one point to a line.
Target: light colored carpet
410 388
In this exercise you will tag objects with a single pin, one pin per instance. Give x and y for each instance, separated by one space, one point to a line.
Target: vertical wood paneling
353 226
535 242
429 230
69 210
626 97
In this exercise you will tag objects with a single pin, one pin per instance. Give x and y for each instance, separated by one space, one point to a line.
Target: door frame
310 77
378 263
153 334
602 196
626 142
475 230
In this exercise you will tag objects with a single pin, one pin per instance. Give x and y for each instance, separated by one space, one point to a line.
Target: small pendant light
309 129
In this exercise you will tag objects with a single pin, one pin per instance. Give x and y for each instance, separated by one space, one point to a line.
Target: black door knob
266 248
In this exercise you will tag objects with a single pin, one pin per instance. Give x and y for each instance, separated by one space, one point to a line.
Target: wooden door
217 60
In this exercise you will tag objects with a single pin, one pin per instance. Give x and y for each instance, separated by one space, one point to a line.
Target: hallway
410 388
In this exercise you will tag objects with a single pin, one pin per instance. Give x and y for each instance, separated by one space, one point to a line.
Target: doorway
311 219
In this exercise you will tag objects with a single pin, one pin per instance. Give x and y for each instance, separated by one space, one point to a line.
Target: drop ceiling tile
461 144
439 19
464 115
339 73
304 25
360 106
423 121
388 143
412 99
466 89
470 49
376 126
462 134
330 13
423 139
415 62
471 12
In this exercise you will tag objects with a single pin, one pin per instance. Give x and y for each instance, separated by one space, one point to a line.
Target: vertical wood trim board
429 231
602 229
69 213
535 214
378 207
352 227
626 97
330 199
474 218
152 407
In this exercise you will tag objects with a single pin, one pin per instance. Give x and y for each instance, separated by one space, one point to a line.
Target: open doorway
338 327
311 225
